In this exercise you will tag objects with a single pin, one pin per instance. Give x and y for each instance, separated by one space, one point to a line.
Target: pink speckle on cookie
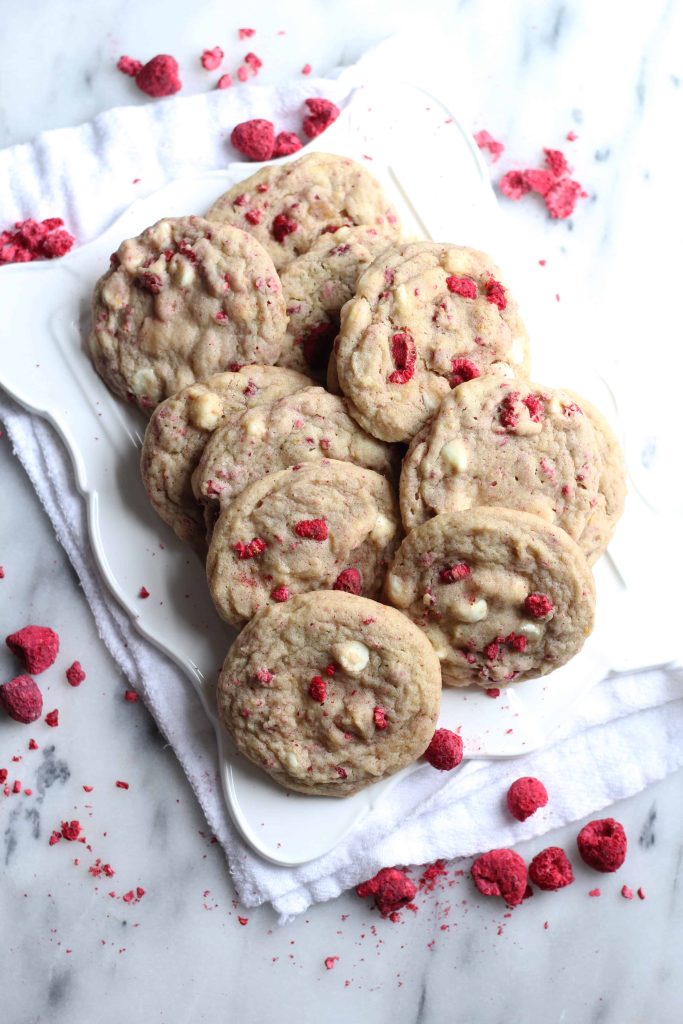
255 138
282 226
252 549
264 676
322 114
280 594
21 699
538 606
404 355
35 646
379 717
445 750
349 581
311 529
463 286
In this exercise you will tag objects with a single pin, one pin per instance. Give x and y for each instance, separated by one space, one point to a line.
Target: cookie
326 525
503 595
185 299
330 692
612 492
288 206
180 427
315 287
425 318
507 443
305 426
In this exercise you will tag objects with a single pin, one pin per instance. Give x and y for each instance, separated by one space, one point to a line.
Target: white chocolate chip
205 411
517 352
455 455
530 630
183 273
555 407
145 384
254 423
355 316
457 263
383 530
397 591
291 760
352 655
116 293
466 611
341 234
161 236
503 370
402 300
526 427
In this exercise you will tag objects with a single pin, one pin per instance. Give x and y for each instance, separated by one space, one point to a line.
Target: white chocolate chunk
555 407
145 383
516 352
466 611
383 530
352 655
455 455
356 316
402 300
254 424
530 630
398 592
116 293
205 411
457 263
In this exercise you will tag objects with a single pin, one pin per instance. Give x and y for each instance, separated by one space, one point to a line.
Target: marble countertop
530 73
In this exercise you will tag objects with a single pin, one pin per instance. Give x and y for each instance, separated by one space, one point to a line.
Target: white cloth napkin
626 733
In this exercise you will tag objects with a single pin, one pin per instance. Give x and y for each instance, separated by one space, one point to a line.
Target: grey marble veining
528 73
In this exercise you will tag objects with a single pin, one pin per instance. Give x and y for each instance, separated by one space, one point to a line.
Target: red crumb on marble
35 646
330 961
626 892
75 674
52 718
121 785
391 890
131 696
143 592
485 140
21 699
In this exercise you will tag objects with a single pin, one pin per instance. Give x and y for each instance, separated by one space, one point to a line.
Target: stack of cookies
289 346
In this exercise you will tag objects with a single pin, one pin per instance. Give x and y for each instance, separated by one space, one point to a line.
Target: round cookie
502 594
330 692
507 443
325 525
288 206
612 494
315 287
180 427
304 426
185 299
425 318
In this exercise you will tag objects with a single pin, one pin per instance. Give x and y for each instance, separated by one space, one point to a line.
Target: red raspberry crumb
87 789
224 82
461 371
306 69
517 642
391 889
242 73
445 750
456 572
349 581
561 200
322 114
159 76
464 286
36 647
253 549
318 689
286 143
595 892
404 355
71 830
641 893
253 216
493 691
602 844
212 59
495 293
557 162
21 699
254 138
264 676
2 572
341 772
506 412
379 717
485 140
55 838
317 344
3 775
280 594
143 593
525 796
330 961
52 718
243 920
150 282
129 66
282 226
550 869
32 745
245 33
626 892
501 873
571 136
131 696
330 670
491 652
539 181
121 785
538 605
514 184
253 62
535 405
75 674
311 529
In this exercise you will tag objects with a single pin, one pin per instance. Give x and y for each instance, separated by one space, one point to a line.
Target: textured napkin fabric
626 733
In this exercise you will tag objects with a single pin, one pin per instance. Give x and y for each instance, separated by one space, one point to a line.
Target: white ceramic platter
441 187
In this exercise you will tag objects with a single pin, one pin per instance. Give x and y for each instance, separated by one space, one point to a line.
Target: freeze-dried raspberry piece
322 114
507 414
491 652
159 76
349 581
517 642
254 138
462 370
129 66
550 869
224 82
55 838
311 529
306 69
143 593
282 226
391 889
245 33
445 750
501 873
404 355
52 718
254 62
456 572
561 199
150 282
495 293
514 184
242 73
557 162
21 699
536 406
253 549
318 689
538 605
280 594
71 830
75 674
485 140
379 717
317 344
330 961
131 696
627 892
212 59
253 216
525 796
602 844
36 647
286 143
539 181
464 286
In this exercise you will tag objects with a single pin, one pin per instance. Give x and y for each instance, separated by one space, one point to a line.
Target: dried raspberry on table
255 138
159 76
501 873
286 143
525 796
21 699
445 750
129 66
322 114
75 674
36 647
550 869
602 844
391 889
212 59
485 140
31 240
